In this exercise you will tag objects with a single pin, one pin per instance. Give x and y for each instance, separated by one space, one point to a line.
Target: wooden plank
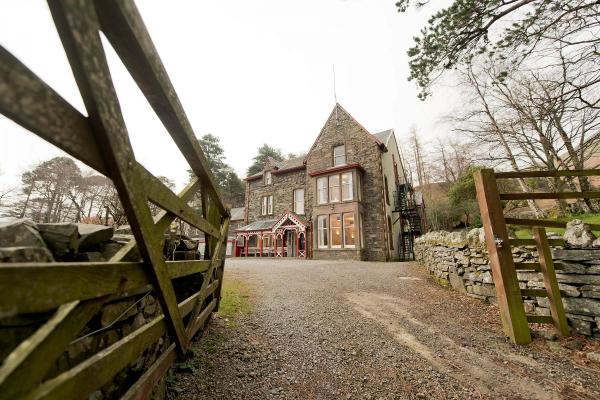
125 29
50 285
143 387
99 369
162 220
549 196
208 278
534 292
28 364
547 174
557 309
540 319
162 196
544 222
78 29
531 242
535 266
508 292
34 105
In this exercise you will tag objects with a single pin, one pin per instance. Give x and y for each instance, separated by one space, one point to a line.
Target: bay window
334 188
323 231
349 231
336 230
347 188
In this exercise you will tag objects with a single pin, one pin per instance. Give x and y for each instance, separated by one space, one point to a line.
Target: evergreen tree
264 152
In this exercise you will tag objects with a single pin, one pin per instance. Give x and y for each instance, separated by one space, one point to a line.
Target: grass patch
235 298
592 218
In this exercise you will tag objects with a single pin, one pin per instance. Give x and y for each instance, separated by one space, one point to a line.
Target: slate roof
258 225
384 135
282 165
237 213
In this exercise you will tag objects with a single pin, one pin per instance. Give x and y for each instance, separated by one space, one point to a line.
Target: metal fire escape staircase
410 220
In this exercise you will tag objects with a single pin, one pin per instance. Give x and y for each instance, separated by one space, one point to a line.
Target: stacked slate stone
24 241
459 260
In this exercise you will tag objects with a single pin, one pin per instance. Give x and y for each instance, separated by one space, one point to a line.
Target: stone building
337 202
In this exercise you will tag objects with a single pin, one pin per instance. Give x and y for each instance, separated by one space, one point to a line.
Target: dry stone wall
460 260
26 241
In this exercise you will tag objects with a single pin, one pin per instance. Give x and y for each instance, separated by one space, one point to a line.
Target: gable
339 128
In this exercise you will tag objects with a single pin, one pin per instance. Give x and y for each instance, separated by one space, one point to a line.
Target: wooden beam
78 28
163 197
535 266
557 309
547 174
162 220
52 284
549 196
125 29
510 303
543 222
34 105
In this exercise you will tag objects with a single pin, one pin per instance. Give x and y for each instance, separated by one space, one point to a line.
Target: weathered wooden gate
74 292
504 269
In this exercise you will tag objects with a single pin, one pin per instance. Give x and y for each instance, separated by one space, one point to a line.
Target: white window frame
350 185
270 205
322 231
321 190
299 201
339 159
263 205
341 227
337 187
268 178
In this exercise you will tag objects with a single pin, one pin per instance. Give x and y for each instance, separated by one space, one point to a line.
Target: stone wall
460 260
25 241
282 190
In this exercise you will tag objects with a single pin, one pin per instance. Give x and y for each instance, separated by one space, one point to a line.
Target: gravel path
352 330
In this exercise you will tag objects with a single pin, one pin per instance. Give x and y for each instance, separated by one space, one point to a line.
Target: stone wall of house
282 189
460 260
361 148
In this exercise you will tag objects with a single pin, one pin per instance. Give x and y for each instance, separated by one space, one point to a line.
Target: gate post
512 312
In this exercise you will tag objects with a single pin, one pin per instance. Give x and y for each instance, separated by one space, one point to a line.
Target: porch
282 237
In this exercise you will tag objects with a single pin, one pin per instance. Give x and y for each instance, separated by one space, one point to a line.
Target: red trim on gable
338 169
252 178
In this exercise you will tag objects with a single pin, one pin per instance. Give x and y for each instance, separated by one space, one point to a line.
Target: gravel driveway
357 330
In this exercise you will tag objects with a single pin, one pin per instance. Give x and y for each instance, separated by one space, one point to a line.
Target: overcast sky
249 72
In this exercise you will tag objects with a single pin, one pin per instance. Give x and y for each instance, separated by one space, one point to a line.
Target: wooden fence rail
74 292
504 269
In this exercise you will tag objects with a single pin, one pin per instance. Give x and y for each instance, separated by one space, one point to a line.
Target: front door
291 243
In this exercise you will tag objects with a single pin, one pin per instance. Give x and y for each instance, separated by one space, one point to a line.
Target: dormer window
268 178
339 155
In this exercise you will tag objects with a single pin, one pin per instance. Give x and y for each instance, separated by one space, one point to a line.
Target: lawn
593 218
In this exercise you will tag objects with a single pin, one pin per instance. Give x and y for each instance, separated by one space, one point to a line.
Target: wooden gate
74 292
504 270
